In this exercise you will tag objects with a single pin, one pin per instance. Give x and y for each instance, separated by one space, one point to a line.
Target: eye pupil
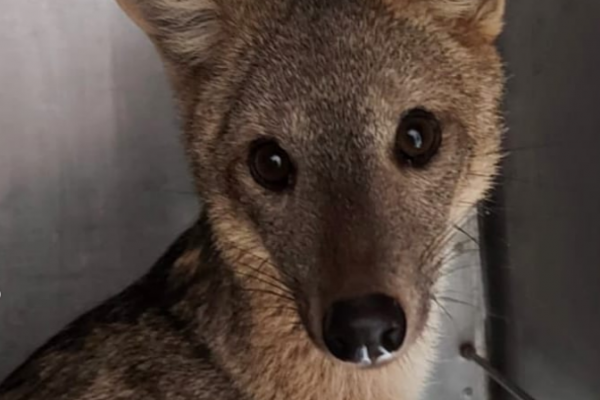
418 138
270 166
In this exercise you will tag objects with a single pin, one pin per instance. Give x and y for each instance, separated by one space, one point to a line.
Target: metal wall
92 181
543 229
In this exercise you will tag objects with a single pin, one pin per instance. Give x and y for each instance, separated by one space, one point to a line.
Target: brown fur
233 309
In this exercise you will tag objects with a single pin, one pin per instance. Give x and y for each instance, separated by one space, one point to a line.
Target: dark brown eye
271 166
418 138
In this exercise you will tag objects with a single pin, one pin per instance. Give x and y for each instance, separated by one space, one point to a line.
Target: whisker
272 284
262 260
267 292
456 301
457 269
467 234
435 300
503 178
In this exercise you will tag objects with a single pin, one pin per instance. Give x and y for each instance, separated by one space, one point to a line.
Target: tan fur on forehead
193 30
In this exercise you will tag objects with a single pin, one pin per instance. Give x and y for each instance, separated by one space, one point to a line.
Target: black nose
364 330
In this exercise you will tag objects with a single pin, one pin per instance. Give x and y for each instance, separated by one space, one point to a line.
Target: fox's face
336 145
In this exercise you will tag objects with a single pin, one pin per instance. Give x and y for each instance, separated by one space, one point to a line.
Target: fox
334 146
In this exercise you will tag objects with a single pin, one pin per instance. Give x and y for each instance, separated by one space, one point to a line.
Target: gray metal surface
548 263
92 182
92 179
461 303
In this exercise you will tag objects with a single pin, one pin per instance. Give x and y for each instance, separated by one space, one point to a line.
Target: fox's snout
365 330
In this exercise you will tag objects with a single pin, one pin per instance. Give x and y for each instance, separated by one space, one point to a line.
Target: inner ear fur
485 17
186 32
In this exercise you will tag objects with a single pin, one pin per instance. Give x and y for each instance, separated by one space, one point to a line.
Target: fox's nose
365 330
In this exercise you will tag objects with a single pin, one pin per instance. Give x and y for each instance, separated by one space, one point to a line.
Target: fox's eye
418 138
271 166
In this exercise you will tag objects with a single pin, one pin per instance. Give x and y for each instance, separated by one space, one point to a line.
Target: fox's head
335 145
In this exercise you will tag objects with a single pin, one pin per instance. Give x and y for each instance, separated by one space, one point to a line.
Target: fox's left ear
486 17
190 35
186 32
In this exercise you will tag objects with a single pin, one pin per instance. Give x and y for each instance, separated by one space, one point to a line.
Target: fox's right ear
186 32
482 16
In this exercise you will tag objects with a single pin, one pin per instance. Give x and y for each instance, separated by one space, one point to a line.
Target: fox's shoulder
132 346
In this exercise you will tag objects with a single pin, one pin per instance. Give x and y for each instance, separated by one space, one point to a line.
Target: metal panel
463 314
92 181
544 273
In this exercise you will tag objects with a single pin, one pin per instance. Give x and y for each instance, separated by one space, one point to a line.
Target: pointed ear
485 16
185 31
